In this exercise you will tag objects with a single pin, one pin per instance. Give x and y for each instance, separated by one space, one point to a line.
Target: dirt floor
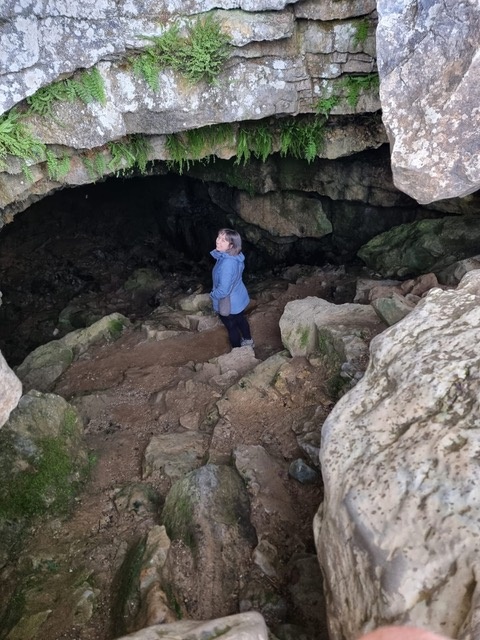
115 387
55 258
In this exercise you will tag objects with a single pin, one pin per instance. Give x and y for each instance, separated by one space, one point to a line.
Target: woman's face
221 243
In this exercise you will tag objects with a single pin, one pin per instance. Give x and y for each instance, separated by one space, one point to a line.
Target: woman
227 283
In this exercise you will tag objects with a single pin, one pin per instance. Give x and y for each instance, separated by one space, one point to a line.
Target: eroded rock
399 462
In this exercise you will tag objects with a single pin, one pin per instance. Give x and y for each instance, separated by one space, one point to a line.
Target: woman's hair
234 240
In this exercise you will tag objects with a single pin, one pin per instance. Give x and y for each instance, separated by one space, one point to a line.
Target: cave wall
284 58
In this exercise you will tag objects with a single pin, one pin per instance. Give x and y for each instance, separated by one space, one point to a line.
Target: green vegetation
177 516
57 168
16 140
125 156
196 145
88 86
115 328
132 152
302 139
355 85
198 56
325 105
304 337
361 31
173 602
44 487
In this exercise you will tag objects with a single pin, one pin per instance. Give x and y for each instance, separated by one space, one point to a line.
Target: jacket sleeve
227 276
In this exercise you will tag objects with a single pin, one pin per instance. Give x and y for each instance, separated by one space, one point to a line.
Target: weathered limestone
10 390
43 366
243 626
422 246
429 62
281 64
398 534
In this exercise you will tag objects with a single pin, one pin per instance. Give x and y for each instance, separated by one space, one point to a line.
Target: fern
130 153
89 87
325 105
302 140
243 147
203 52
95 165
42 101
361 32
179 158
355 85
146 65
17 140
199 56
57 168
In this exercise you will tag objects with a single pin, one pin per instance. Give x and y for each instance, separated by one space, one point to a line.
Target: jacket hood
218 255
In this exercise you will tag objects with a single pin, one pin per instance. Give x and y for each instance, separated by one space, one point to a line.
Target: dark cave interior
80 245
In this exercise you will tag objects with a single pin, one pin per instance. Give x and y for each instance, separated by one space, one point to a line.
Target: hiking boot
247 343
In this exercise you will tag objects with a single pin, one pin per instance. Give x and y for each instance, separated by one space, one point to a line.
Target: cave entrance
79 254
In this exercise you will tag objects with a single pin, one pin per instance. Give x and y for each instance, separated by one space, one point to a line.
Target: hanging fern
302 140
243 147
355 85
129 153
178 152
95 165
17 140
57 168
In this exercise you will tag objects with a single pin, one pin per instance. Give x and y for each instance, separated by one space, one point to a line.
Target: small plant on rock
17 140
355 85
361 32
88 86
198 56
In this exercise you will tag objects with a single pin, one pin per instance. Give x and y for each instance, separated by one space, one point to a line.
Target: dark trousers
237 327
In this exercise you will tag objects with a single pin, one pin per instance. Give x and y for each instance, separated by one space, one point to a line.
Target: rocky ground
164 381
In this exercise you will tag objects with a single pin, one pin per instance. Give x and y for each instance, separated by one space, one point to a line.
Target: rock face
10 390
398 534
284 57
428 60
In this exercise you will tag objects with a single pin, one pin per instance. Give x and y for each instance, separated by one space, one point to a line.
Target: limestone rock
207 515
42 456
10 390
423 246
174 454
428 60
243 626
392 309
399 462
338 335
43 366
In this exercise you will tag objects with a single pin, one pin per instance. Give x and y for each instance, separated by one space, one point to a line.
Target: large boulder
398 533
429 62
422 246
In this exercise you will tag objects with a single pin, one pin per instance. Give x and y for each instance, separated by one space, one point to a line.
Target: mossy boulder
423 246
42 458
43 366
